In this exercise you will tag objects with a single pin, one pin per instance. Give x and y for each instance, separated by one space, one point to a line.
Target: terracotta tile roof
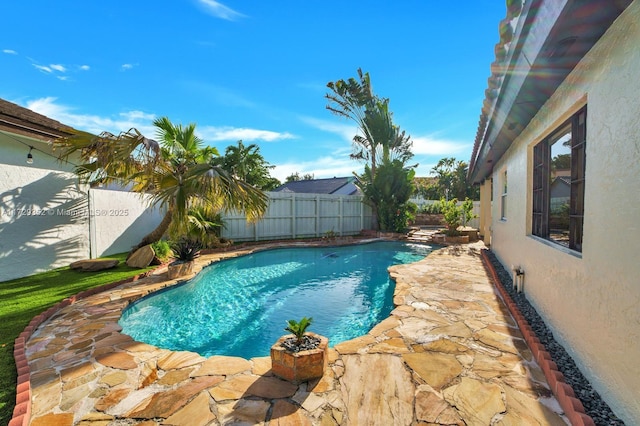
23 121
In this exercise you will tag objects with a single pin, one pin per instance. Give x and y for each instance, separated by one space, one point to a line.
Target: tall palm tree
379 142
176 172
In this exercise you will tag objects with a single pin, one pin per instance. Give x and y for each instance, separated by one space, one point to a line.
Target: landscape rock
142 257
93 265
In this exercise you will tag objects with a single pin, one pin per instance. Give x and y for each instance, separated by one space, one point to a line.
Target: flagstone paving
450 353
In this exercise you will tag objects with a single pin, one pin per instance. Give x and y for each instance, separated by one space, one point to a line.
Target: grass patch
24 298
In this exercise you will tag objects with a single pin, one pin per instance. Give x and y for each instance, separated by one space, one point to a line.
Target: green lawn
24 298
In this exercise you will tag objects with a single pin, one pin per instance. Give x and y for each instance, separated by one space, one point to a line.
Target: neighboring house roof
336 185
541 41
22 121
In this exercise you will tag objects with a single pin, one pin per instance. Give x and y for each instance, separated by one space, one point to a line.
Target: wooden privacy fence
293 215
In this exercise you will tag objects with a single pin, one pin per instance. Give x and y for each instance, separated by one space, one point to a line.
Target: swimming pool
239 306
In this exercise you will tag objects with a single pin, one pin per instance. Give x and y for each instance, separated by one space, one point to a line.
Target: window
503 198
558 183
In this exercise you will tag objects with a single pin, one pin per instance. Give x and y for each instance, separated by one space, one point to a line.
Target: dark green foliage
383 147
451 181
186 249
162 249
434 208
298 328
247 164
390 190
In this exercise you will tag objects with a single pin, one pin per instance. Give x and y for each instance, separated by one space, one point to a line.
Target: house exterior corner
583 282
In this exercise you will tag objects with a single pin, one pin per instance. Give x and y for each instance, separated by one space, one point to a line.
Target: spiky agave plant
298 328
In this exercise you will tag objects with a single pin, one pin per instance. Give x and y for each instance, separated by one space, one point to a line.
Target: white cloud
215 134
335 165
43 68
428 145
84 67
58 67
137 115
93 123
63 77
344 130
10 52
127 66
219 10
143 121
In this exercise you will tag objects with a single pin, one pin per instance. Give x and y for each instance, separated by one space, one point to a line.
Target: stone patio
450 353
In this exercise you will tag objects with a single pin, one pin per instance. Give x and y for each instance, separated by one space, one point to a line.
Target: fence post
293 215
317 215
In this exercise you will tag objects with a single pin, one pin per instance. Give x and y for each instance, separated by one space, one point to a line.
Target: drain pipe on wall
518 278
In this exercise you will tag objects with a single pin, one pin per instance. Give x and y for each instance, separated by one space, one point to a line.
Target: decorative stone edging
22 410
573 408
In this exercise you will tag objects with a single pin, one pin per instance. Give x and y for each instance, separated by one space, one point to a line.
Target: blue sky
255 70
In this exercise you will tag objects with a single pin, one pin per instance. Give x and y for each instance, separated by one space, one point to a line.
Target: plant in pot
452 214
185 250
300 356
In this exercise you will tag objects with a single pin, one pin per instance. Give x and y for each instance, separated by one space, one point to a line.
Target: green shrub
467 211
162 250
186 249
434 208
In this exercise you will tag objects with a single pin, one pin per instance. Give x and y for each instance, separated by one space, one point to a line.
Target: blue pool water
240 306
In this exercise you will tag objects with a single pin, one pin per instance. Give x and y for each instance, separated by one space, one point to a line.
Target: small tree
467 211
451 213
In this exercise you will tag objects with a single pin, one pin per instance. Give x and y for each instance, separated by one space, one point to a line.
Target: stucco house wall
42 206
119 220
591 300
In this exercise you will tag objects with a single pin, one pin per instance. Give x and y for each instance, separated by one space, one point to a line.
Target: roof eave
549 42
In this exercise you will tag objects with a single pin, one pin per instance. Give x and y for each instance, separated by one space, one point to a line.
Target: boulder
92 265
142 257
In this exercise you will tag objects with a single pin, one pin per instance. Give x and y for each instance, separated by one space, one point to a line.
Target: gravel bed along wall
594 405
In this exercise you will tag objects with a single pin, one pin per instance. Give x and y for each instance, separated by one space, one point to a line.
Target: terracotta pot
298 367
176 270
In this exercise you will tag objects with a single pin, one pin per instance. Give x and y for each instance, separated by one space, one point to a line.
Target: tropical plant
433 208
294 177
186 249
247 164
390 190
162 249
205 227
298 328
451 180
451 214
466 211
379 142
177 172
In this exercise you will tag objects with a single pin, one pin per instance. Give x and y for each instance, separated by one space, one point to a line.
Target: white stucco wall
591 301
42 206
119 220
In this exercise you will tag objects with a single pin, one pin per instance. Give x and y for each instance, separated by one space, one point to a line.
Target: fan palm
176 172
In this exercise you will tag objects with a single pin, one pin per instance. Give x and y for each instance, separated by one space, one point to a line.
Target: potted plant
453 216
301 355
185 251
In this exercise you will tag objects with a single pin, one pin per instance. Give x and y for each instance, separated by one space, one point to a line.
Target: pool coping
22 412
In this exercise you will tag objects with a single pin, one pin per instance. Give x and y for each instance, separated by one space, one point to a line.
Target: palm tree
177 173
246 163
379 142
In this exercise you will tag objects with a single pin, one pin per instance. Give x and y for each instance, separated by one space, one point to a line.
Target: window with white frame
558 183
